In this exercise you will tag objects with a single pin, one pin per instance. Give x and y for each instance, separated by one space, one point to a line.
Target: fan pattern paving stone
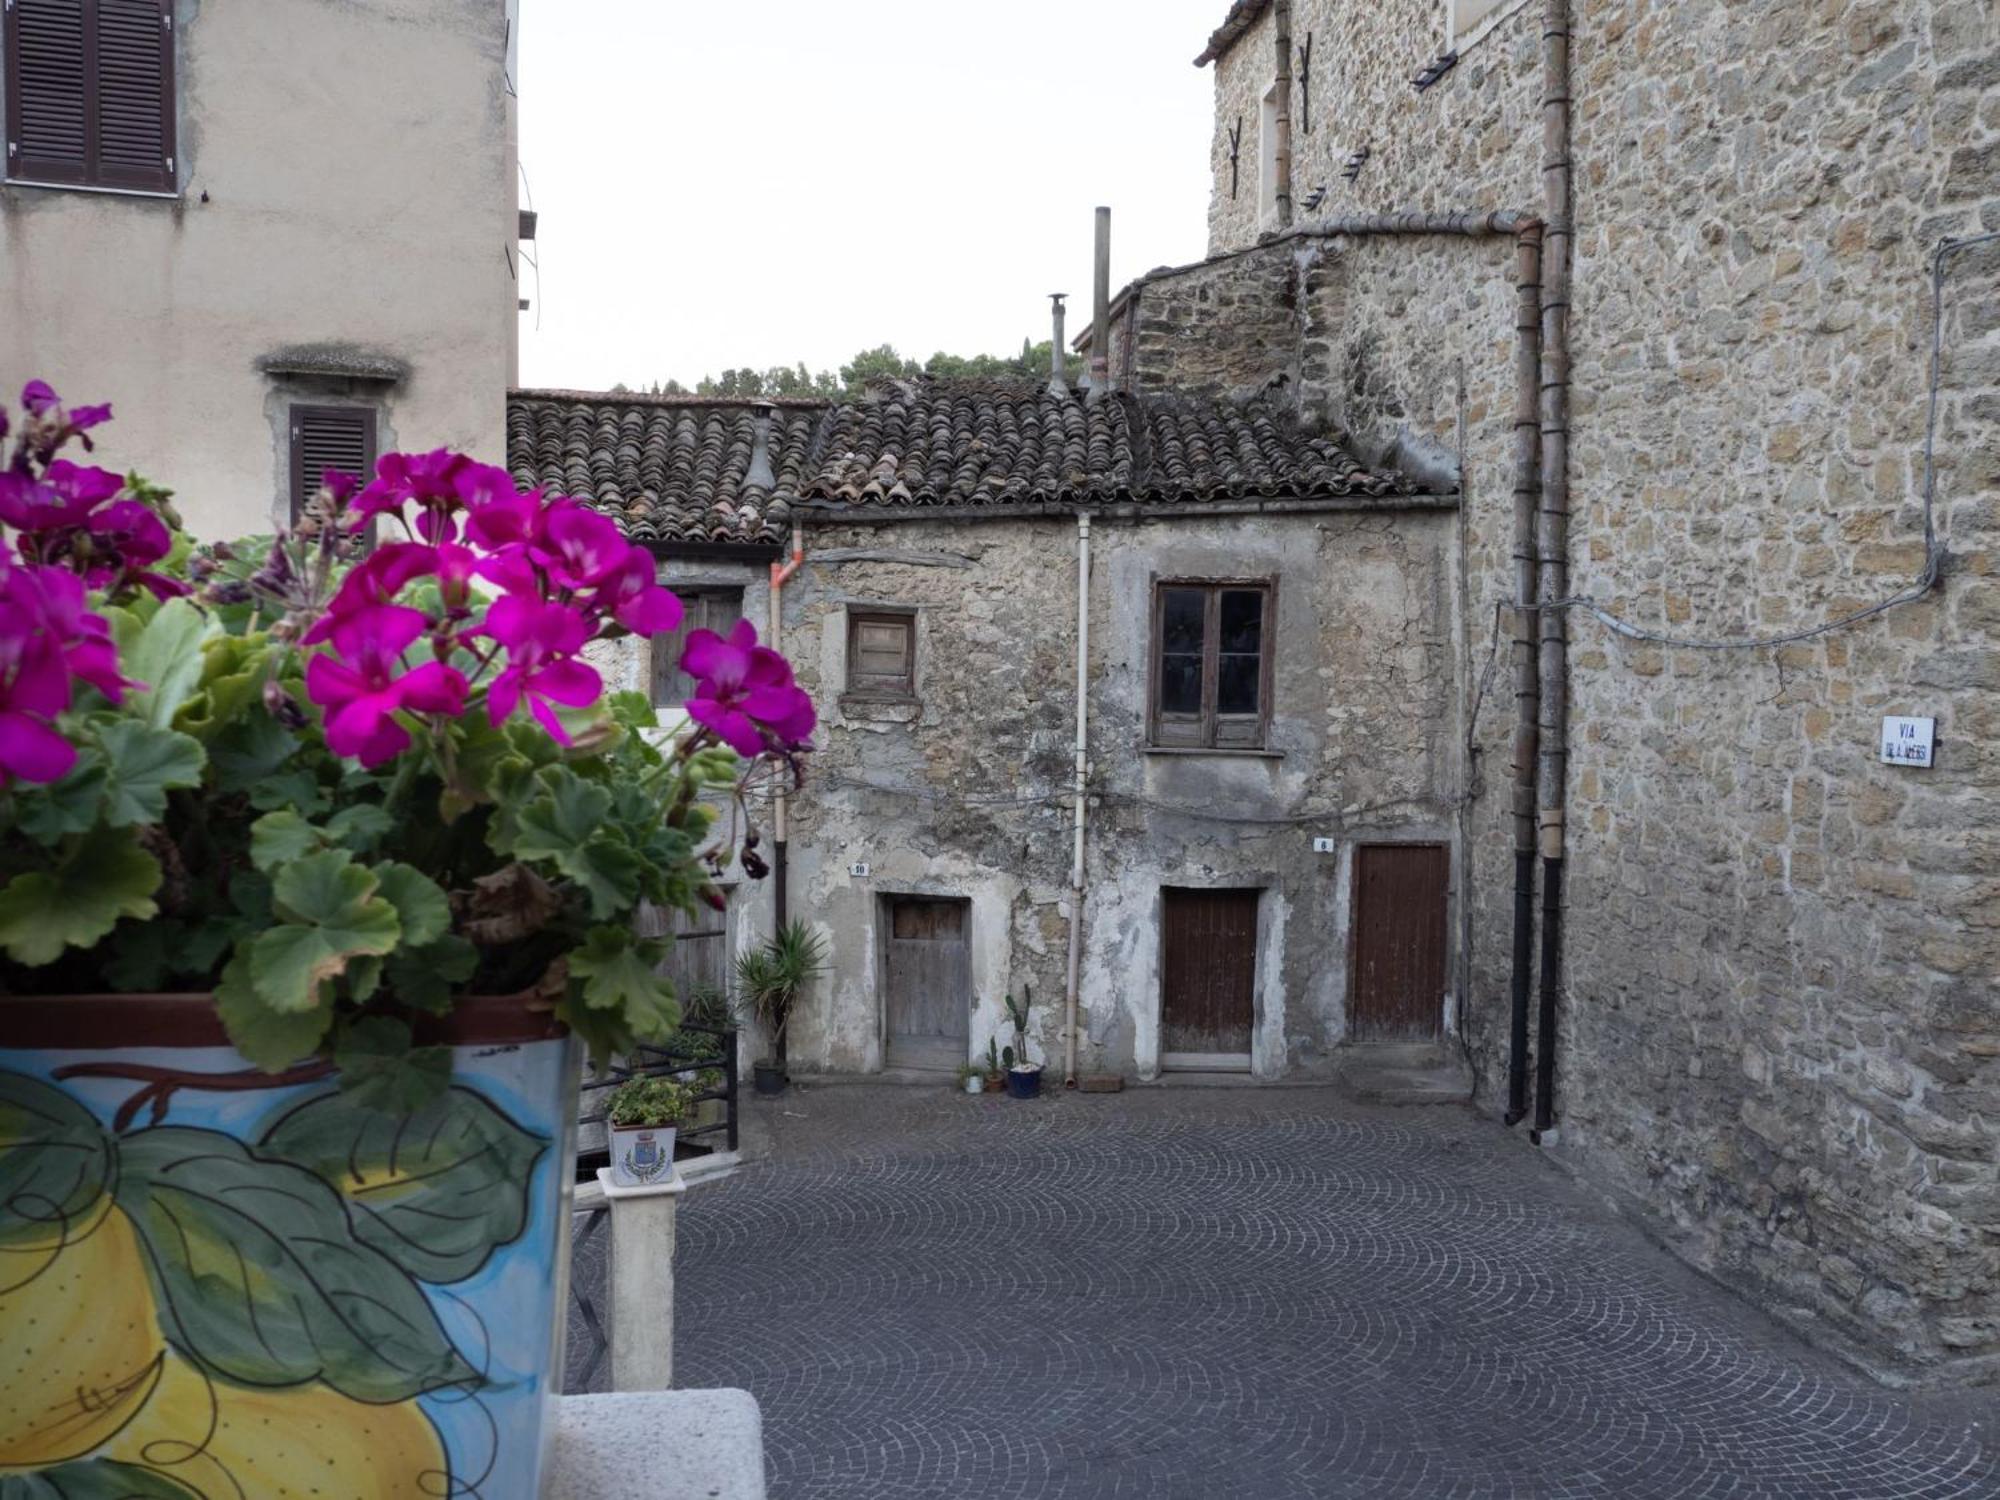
1207 1292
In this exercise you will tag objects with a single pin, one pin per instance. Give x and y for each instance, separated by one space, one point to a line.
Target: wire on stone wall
1933 553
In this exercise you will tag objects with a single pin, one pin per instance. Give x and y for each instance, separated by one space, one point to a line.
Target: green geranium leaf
359 827
614 993
278 838
330 914
566 826
48 813
424 978
93 1479
437 1190
632 710
55 1163
299 790
143 765
419 901
380 1070
245 753
103 876
165 654
271 1039
262 1279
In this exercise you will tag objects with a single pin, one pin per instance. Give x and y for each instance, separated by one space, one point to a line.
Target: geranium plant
341 782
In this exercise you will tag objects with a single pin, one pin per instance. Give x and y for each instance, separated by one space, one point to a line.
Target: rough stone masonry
1780 1029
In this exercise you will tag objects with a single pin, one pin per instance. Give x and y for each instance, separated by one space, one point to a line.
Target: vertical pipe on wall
1100 293
1552 536
781 572
1283 152
1527 690
1080 777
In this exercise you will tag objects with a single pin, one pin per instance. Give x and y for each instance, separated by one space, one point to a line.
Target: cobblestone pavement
1233 1292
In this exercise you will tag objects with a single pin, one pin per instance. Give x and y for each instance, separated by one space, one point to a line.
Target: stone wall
967 792
1781 1030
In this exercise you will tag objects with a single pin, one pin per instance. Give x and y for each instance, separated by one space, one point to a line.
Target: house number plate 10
1907 742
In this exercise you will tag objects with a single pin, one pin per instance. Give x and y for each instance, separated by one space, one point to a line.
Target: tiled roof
1242 16
678 469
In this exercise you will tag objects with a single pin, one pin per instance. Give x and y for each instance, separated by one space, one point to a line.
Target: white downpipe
1081 777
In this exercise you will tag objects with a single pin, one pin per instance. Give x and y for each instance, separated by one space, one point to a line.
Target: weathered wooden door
1208 977
1400 893
927 967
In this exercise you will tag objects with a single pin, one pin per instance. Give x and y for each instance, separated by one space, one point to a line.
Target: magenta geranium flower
744 691
541 639
52 600
47 638
631 596
58 424
362 690
63 498
579 546
427 480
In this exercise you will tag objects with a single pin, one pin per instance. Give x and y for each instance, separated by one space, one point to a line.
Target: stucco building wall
1781 1024
346 179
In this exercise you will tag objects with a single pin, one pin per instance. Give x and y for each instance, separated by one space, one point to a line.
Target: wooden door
927 967
1400 894
1208 977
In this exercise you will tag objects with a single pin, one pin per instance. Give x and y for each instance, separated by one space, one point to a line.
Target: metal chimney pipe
1058 370
1100 328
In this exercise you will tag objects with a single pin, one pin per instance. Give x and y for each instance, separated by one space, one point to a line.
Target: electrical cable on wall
1933 553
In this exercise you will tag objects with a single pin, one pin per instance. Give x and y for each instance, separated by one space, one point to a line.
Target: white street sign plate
1907 742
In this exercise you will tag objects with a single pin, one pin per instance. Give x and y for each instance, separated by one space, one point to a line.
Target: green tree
883 362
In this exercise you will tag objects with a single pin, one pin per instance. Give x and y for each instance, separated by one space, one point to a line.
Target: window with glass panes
1211 663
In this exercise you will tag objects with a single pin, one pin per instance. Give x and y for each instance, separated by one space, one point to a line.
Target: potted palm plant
317 864
768 980
1024 1078
643 1114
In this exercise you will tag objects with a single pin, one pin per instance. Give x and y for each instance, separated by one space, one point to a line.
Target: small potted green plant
972 1077
768 980
996 1069
643 1116
1024 1078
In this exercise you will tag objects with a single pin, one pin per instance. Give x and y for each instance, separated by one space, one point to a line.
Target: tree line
880 363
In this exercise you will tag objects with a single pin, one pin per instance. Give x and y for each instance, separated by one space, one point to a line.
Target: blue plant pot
1024 1083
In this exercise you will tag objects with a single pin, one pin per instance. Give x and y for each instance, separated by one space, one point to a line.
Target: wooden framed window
1211 663
882 653
329 437
716 609
90 93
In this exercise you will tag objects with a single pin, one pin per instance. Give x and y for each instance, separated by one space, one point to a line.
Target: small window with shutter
329 437
1211 664
716 609
882 653
90 93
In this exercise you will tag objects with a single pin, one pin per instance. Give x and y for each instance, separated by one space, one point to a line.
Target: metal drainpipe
1283 153
1100 323
1081 775
781 572
1527 685
1552 535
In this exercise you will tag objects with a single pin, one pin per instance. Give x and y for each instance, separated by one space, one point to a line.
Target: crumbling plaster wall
1781 1030
966 793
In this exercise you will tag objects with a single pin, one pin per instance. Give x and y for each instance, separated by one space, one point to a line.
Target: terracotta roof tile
681 470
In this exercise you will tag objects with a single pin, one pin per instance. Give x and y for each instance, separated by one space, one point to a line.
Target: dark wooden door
928 969
1208 972
1399 941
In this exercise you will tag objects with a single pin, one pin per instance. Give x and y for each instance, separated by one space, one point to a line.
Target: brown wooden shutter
881 654
135 94
329 437
46 76
90 93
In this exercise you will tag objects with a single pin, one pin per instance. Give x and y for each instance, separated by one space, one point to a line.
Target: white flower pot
642 1155
975 1085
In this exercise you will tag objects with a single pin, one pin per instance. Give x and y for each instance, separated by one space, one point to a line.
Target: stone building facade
1780 984
255 263
956 510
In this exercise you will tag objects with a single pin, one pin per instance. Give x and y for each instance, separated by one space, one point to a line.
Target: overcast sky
756 184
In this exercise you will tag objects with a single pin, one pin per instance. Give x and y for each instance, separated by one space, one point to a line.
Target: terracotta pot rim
188 1019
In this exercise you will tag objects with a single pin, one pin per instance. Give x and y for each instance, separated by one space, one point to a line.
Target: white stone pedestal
642 1282
657 1445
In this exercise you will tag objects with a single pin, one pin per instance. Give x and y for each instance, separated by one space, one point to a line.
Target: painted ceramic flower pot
642 1155
221 1283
